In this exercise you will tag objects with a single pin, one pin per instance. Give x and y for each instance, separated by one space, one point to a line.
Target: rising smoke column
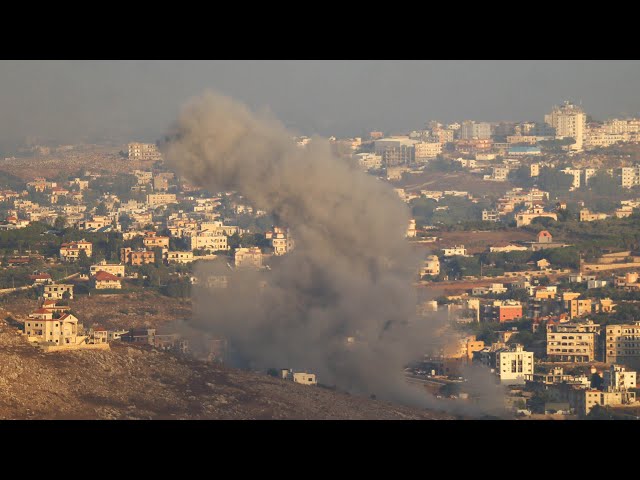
349 275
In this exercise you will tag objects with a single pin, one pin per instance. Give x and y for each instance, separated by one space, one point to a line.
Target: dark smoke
350 274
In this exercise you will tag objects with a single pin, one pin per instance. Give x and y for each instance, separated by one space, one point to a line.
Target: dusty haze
349 275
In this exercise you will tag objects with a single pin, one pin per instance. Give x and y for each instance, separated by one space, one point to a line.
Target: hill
132 382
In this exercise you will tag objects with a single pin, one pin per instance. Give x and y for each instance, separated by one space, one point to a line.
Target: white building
513 365
618 378
456 250
569 120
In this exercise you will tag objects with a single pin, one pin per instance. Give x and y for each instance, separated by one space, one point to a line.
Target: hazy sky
70 101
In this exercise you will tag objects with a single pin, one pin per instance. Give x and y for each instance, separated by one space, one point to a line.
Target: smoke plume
349 275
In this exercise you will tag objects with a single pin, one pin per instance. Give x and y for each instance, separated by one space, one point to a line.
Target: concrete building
568 120
248 257
304 378
396 150
281 240
587 216
471 130
144 151
618 378
105 281
577 176
456 250
504 310
179 257
369 161
425 151
572 342
512 364
207 240
152 240
70 252
431 266
116 269
56 291
160 199
630 176
58 331
490 216
526 217
128 256
622 344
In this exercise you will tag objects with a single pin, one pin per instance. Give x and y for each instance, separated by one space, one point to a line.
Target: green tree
83 260
60 222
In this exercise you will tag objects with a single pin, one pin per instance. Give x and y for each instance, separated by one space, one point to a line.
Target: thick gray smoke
349 275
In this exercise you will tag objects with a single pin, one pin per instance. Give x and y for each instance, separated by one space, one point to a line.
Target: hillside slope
138 383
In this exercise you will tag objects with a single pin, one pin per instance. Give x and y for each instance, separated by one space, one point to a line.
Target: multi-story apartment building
630 176
572 342
431 266
152 240
512 364
248 257
475 130
427 150
622 344
396 150
144 151
179 257
568 120
159 199
129 256
576 174
206 240
281 240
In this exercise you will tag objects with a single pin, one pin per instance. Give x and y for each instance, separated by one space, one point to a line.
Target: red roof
544 233
103 276
40 311
40 276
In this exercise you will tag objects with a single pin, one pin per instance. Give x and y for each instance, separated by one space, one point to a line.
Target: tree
101 209
157 252
83 260
66 296
60 222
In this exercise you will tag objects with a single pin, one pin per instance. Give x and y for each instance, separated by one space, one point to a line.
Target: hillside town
528 236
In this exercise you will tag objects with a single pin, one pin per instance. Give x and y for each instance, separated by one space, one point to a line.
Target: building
304 378
129 256
572 342
281 240
534 170
568 120
456 250
587 399
579 307
103 281
630 176
411 229
70 252
58 331
396 150
499 174
369 161
576 177
144 151
512 364
151 241
618 378
505 310
207 240
248 257
622 344
471 130
57 291
425 151
587 216
523 150
490 216
116 269
431 266
526 217
179 257
160 199
544 237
